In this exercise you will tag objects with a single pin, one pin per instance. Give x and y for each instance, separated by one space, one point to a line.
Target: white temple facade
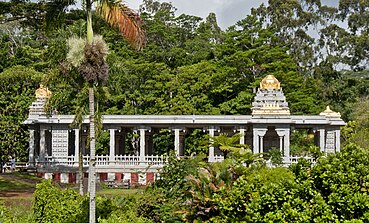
54 145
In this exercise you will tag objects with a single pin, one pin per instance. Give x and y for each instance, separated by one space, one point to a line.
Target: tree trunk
90 33
92 171
80 162
91 99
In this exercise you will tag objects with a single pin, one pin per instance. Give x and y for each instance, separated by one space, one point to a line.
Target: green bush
128 209
52 204
55 205
5 216
172 177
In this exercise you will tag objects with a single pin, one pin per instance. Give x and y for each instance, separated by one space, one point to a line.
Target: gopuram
54 145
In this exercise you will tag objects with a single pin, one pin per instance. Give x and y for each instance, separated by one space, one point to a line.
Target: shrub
5 216
55 205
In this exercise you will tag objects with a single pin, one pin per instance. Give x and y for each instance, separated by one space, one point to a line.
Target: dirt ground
21 195
19 177
15 194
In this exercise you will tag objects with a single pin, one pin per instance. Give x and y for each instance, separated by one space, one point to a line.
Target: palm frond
127 21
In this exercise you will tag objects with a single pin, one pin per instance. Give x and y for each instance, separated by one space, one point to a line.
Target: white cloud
228 11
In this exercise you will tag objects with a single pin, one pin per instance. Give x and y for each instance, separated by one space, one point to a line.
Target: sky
228 12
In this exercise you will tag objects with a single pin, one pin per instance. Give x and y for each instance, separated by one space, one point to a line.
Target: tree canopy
191 66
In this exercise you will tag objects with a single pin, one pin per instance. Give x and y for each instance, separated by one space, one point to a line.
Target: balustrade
134 161
103 161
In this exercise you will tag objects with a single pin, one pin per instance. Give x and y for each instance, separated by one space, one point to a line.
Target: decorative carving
59 143
270 83
330 142
43 92
329 113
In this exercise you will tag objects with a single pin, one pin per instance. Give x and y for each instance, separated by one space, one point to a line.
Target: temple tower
38 107
270 104
269 99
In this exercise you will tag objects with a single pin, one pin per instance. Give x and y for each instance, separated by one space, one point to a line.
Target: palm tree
93 67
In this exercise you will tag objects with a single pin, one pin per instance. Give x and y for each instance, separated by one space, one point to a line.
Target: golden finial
270 83
43 92
329 113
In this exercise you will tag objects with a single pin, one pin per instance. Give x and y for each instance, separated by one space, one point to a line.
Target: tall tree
92 64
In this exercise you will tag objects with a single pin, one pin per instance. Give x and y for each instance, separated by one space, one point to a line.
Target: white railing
287 161
103 161
57 161
154 160
126 160
218 158
294 159
133 161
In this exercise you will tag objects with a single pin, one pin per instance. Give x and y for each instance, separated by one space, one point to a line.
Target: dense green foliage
190 65
335 189
17 86
53 204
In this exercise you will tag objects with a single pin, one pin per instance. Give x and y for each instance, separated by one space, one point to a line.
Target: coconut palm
91 62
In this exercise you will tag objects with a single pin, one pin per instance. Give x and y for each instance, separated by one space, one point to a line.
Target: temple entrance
271 139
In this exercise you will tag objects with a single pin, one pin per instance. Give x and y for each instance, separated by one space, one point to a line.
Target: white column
281 144
261 144
31 156
281 132
338 140
42 144
242 137
176 141
287 144
255 145
142 144
181 142
322 140
135 142
76 145
211 157
112 145
258 134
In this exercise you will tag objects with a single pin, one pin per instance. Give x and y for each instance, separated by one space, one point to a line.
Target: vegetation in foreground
190 190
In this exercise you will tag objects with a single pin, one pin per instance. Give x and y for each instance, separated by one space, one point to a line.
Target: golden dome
270 83
43 92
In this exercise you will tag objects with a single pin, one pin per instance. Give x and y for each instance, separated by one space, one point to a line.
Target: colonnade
329 140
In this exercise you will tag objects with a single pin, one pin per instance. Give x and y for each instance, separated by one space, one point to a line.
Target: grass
16 193
17 182
20 208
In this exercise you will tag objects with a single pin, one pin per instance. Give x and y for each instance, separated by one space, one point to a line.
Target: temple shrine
54 145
